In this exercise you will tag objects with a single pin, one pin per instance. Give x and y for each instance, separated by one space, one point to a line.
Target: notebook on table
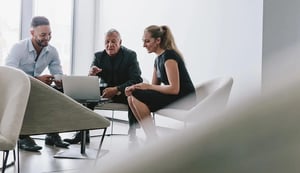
84 89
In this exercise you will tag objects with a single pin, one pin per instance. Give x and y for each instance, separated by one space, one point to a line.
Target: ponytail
164 33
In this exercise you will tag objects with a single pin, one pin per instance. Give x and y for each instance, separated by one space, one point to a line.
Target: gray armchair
50 111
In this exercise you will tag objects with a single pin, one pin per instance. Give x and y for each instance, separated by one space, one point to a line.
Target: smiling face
112 43
150 43
41 35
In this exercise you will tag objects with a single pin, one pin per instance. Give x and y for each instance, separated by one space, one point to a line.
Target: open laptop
84 89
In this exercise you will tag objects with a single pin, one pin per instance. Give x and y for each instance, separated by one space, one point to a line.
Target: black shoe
77 138
54 139
28 144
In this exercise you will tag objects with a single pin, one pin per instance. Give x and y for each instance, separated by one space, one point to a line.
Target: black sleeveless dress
156 100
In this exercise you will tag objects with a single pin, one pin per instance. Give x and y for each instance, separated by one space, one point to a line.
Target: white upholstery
14 92
258 135
211 95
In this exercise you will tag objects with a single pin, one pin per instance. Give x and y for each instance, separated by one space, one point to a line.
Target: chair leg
153 114
4 161
18 157
101 142
14 154
112 122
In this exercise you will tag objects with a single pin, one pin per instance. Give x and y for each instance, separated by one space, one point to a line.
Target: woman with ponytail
170 81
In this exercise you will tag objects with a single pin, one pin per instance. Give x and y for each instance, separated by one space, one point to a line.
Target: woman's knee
130 102
129 99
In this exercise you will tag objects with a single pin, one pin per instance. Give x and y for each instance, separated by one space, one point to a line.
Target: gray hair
112 30
38 21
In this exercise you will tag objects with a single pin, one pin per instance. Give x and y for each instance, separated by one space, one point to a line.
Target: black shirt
186 84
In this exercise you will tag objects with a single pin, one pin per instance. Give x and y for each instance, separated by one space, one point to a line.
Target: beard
41 43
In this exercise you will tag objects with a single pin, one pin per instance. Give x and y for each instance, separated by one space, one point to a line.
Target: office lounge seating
258 134
50 111
113 107
14 91
211 95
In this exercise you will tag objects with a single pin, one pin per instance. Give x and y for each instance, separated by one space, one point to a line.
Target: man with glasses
33 55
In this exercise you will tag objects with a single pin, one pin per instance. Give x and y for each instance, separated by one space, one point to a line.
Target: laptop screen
83 89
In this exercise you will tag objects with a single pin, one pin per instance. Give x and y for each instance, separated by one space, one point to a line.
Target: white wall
216 37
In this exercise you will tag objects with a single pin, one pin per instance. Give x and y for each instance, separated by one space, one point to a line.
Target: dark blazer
122 70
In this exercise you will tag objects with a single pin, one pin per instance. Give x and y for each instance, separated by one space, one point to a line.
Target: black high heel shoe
77 138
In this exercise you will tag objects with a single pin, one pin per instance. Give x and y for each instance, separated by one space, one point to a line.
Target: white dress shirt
23 56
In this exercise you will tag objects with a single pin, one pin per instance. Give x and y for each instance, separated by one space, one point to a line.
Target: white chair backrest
220 87
14 91
257 135
212 96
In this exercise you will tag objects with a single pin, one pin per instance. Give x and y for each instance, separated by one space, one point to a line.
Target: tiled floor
44 162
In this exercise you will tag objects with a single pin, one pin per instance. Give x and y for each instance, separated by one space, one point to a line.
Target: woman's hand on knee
129 90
